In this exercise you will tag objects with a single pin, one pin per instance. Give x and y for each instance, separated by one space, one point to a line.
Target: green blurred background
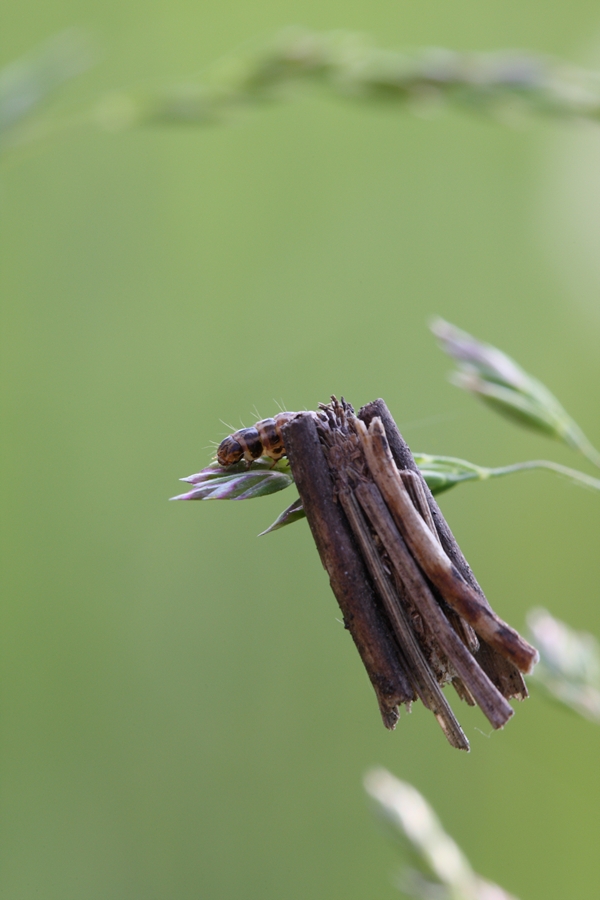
182 714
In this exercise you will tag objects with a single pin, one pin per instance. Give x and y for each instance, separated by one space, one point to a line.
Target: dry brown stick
413 483
347 575
431 557
421 674
463 691
490 700
502 672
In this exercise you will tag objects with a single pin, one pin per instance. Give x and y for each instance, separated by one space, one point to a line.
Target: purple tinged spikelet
238 482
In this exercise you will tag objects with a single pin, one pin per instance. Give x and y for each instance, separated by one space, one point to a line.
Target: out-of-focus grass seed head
502 384
569 667
435 868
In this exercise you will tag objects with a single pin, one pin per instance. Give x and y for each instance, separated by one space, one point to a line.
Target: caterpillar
263 439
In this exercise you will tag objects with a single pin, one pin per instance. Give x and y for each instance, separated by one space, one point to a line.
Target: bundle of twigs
414 609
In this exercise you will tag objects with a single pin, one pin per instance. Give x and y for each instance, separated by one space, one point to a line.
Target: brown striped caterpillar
263 439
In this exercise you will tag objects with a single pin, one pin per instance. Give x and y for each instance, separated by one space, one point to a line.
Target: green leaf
293 513
444 472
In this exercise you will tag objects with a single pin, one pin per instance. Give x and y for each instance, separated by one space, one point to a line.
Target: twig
420 671
501 671
403 599
415 488
488 698
347 575
431 557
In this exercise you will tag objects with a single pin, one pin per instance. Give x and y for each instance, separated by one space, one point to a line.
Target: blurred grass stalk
434 866
506 84
27 83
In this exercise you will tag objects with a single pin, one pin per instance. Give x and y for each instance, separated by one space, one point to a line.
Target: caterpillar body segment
262 439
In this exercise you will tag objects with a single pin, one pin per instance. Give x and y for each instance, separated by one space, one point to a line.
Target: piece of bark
501 671
348 577
431 557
